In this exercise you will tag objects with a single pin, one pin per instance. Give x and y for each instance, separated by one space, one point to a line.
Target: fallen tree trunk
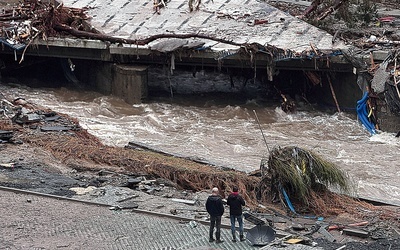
84 34
331 9
325 11
314 5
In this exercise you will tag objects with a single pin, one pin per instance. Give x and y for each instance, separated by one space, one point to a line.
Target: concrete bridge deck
233 20
240 22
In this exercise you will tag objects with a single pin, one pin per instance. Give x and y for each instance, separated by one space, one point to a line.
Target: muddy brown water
224 131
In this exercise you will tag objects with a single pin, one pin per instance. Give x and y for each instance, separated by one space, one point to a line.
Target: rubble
5 135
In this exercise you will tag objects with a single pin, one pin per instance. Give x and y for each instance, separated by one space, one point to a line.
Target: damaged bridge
118 46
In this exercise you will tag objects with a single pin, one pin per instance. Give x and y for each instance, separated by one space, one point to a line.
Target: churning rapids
226 132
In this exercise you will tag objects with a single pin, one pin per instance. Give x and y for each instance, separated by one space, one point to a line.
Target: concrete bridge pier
129 82
126 81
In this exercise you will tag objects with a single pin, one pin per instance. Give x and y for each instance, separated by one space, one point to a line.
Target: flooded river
226 133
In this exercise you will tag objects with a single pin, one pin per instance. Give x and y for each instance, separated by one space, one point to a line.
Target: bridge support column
130 82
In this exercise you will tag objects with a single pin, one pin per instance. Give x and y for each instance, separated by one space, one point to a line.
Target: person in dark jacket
235 202
215 208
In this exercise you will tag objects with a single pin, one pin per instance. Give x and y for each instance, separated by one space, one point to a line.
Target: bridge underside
98 67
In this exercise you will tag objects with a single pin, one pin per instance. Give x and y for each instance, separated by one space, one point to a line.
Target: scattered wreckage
385 88
263 229
379 107
15 113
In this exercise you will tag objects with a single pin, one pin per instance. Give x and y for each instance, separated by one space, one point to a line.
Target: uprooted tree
301 174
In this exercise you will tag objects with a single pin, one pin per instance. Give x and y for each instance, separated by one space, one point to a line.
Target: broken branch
102 37
331 9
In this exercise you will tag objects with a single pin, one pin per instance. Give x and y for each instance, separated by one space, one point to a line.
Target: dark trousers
215 222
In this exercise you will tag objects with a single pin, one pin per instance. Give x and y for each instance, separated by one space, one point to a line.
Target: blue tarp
17 46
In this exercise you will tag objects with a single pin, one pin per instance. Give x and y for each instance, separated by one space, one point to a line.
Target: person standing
235 202
215 208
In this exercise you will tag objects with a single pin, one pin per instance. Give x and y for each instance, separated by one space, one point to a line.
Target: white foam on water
386 138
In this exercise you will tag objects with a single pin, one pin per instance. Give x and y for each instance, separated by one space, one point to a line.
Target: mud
32 177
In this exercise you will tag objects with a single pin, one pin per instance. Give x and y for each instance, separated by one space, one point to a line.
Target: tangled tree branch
102 37
315 9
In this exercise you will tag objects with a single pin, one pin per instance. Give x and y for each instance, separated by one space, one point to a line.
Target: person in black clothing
235 202
215 208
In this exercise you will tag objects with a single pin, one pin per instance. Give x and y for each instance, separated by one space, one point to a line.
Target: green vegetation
300 171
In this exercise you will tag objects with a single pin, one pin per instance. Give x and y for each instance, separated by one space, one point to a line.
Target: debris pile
319 10
23 113
300 171
277 230
31 19
300 178
379 108
368 30
386 77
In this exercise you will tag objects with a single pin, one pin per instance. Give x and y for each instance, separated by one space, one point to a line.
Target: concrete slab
231 20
